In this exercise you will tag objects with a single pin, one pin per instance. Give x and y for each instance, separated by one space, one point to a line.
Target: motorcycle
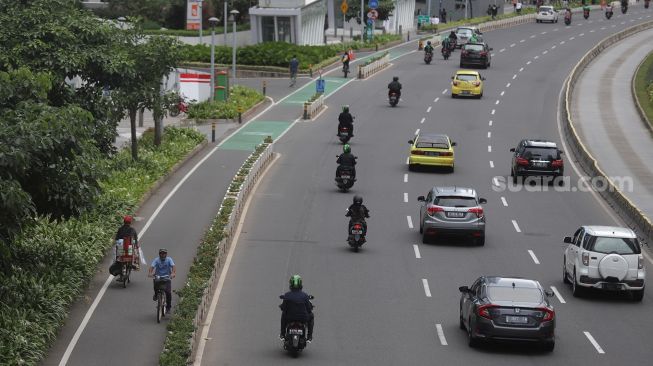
646 4
344 134
446 52
608 13
567 19
356 236
294 340
393 99
428 56
345 178
586 13
180 107
624 8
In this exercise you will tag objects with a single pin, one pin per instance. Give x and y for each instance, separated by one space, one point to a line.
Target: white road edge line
514 223
427 291
405 197
443 340
503 200
410 222
594 342
555 292
405 177
417 253
533 256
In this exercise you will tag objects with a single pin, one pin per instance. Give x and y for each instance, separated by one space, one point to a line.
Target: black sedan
476 54
507 309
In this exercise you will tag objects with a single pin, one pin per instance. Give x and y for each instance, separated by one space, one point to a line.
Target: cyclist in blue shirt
164 266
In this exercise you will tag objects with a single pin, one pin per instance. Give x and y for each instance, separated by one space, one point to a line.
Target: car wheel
471 340
638 295
564 272
480 241
453 96
421 227
514 177
411 167
425 239
480 95
576 290
485 66
451 169
548 346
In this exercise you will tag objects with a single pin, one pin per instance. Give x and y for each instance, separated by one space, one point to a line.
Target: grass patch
644 86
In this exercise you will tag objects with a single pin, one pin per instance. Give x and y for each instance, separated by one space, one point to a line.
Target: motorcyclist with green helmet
296 306
346 159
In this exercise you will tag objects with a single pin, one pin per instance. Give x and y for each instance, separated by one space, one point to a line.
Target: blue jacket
296 306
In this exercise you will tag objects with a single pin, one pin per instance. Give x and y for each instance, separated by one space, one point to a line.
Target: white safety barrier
367 70
240 197
311 109
631 215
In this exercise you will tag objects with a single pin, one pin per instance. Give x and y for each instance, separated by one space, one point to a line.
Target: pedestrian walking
294 66
443 15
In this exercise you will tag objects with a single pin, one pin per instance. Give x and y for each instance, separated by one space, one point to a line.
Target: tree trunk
158 128
132 120
141 112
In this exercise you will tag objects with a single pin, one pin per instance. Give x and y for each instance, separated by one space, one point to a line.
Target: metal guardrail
626 209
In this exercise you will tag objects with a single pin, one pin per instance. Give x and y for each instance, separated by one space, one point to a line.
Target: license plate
611 286
517 319
344 133
455 214
357 232
539 164
345 176
432 153
295 331
464 92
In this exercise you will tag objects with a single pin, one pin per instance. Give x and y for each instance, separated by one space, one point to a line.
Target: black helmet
295 282
163 250
428 43
395 78
358 200
345 108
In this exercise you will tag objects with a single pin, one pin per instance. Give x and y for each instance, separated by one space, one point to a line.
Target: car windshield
515 294
432 144
474 47
464 32
455 201
466 77
546 153
609 245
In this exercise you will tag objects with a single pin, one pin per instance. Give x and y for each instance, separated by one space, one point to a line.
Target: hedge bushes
240 96
55 260
219 31
177 346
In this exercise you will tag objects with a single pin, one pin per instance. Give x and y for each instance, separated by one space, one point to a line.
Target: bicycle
160 284
345 68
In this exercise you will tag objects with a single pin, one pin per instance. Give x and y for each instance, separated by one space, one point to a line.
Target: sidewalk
606 118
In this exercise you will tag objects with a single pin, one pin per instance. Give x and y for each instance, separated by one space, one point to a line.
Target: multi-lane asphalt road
396 302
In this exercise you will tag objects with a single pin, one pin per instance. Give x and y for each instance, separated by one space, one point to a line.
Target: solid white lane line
493 111
490 123
503 92
427 291
497 102
503 200
489 134
495 181
514 77
594 342
517 229
405 197
428 110
417 132
508 85
417 253
533 256
528 62
501 50
491 164
405 177
512 45
521 69
423 119
555 292
444 91
436 100
410 222
443 341
489 148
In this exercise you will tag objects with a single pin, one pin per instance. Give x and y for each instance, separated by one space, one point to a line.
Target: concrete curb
622 205
638 106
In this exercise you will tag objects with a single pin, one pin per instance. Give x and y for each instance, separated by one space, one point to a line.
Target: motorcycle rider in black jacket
296 306
346 159
357 212
394 87
345 119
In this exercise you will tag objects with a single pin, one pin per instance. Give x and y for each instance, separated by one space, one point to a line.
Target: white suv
546 14
604 257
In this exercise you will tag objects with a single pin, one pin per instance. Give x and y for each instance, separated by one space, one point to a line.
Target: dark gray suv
507 309
537 158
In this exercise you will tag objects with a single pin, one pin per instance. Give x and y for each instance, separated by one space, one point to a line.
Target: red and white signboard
195 86
193 14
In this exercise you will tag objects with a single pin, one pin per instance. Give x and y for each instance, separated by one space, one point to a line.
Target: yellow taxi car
431 150
468 83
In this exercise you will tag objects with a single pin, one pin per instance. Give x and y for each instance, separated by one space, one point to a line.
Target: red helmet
127 219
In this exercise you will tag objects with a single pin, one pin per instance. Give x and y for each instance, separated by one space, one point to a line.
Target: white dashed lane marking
444 91
536 57
416 249
508 85
545 52
423 119
503 92
594 342
490 123
491 164
489 134
497 102
436 100
555 292
533 256
533 36
489 148
443 341
427 291
405 197
503 200
528 62
501 50
553 47
562 42
521 69
522 41
517 229
410 222
428 110
406 178
543 33
582 34
417 132
493 111
512 45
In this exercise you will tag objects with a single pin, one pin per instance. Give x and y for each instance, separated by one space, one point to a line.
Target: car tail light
476 210
417 152
483 53
521 161
557 163
484 310
476 83
640 262
432 209
549 314
446 153
586 259
455 83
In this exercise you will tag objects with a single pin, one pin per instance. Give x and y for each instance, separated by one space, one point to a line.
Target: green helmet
346 149
345 108
295 282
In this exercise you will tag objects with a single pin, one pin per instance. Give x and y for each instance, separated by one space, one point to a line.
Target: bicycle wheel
160 306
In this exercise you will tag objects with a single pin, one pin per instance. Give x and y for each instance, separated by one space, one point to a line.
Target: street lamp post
225 22
213 21
201 20
233 13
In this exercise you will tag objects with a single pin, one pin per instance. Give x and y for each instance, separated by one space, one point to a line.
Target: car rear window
466 77
432 144
544 9
464 32
474 47
455 201
608 245
516 294
549 153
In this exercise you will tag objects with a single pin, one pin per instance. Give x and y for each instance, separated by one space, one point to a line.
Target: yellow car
467 83
432 150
